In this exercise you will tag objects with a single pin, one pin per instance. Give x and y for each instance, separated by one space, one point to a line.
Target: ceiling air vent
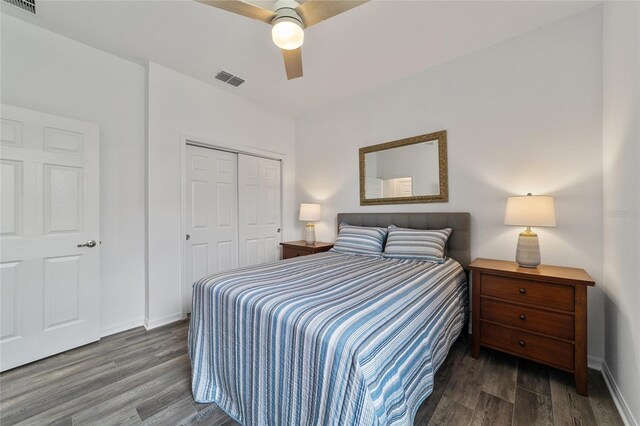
28 5
235 81
228 78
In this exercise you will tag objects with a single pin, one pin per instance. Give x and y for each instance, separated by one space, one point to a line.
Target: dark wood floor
140 377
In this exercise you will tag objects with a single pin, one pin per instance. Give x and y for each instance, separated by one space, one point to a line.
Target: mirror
412 170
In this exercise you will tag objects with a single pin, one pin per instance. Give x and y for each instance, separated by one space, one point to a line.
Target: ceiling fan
288 18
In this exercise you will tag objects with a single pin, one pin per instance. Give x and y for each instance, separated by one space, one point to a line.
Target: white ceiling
367 47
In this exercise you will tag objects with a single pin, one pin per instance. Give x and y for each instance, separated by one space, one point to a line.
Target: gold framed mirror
412 170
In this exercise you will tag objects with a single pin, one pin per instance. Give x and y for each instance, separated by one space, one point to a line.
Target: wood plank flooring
142 377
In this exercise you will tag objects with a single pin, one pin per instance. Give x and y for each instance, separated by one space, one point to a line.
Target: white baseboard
121 326
594 362
158 322
617 397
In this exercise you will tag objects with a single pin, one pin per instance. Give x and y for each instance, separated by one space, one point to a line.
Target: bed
330 339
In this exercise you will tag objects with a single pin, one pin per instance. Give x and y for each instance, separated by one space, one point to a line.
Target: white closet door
260 209
50 193
212 215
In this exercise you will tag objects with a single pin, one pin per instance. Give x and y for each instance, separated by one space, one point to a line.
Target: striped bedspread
328 339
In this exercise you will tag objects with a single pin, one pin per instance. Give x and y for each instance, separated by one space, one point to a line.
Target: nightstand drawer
553 324
289 252
533 292
537 348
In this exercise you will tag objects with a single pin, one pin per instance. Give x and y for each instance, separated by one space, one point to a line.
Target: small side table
535 313
301 248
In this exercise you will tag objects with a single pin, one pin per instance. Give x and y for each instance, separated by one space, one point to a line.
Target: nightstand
301 248
535 313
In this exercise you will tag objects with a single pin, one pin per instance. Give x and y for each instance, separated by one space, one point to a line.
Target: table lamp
309 213
529 210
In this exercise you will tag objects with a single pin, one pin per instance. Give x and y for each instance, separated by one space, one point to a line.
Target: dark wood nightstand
535 313
301 248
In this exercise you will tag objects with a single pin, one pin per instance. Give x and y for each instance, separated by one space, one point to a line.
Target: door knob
90 244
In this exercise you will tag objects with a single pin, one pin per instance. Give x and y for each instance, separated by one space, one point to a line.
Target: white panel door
259 218
212 215
49 204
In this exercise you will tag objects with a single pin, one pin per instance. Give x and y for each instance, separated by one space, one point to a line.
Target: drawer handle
523 291
522 343
523 317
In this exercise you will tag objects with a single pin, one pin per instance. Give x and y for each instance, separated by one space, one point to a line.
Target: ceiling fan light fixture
287 33
288 20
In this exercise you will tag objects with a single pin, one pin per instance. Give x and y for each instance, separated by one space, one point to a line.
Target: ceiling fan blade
314 11
242 8
293 62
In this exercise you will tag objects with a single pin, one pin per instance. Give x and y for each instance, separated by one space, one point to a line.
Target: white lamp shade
309 212
530 210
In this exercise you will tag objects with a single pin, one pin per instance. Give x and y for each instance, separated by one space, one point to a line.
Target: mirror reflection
403 172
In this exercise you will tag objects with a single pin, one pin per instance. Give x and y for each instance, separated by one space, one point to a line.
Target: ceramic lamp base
528 251
310 233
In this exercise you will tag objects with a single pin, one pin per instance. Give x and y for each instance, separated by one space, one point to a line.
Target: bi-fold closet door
233 214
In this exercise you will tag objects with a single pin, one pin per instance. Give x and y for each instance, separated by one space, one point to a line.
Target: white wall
179 105
522 116
47 72
621 157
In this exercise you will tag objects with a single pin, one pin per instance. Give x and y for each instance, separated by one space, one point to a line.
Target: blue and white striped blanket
328 339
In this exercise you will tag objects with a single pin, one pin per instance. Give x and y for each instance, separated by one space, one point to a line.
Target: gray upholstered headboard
458 246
